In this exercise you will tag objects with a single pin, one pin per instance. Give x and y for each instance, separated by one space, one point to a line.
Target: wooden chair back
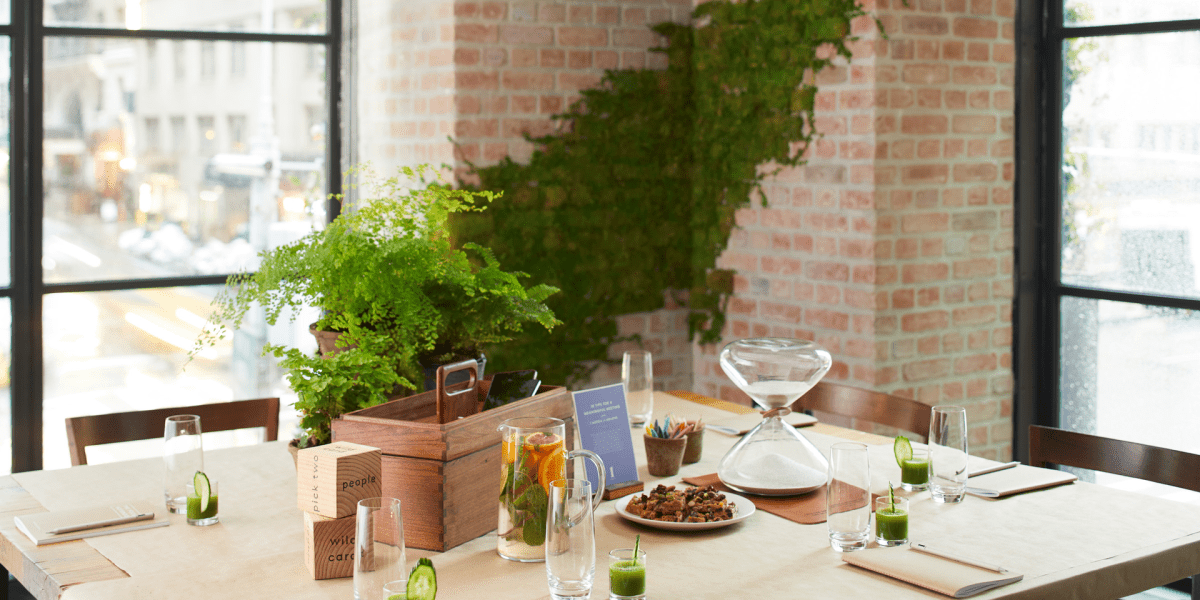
876 407
148 424
1048 445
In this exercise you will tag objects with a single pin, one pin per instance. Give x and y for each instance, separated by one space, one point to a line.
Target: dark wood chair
148 424
1051 446
876 407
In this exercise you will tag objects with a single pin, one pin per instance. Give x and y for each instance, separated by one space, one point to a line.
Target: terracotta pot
664 455
695 444
326 340
294 450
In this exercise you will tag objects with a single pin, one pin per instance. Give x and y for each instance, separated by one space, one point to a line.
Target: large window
1108 313
167 143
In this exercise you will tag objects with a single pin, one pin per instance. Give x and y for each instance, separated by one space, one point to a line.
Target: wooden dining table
1073 541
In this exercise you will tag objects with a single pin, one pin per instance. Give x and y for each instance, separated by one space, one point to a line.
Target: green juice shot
891 520
914 465
627 573
202 501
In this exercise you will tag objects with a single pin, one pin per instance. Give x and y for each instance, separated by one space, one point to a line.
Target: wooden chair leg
1195 587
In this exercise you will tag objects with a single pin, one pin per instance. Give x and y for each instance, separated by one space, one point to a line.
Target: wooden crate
446 475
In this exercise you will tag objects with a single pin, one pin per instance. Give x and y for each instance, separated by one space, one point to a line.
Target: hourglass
774 459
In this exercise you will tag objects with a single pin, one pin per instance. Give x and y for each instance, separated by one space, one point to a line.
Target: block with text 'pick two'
331 479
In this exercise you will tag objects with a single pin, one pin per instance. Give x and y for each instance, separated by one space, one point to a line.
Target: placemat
806 509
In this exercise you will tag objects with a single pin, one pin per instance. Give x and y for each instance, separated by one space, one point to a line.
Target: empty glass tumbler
948 453
637 375
379 558
183 456
570 539
848 499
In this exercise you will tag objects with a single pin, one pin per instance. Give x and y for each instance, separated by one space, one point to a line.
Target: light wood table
1075 541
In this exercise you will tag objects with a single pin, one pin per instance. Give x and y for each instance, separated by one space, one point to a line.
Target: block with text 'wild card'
329 546
331 479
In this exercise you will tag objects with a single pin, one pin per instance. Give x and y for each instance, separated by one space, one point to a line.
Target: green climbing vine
634 198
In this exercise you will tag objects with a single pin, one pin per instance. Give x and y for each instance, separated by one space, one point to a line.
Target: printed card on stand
604 429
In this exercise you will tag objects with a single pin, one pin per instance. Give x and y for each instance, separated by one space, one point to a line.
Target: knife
966 561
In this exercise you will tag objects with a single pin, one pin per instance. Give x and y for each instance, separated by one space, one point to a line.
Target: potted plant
390 282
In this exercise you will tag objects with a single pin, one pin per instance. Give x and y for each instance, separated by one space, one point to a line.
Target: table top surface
1074 541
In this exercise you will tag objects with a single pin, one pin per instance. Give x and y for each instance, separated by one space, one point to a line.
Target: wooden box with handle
441 454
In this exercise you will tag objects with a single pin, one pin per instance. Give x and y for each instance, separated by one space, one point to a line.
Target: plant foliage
387 277
634 199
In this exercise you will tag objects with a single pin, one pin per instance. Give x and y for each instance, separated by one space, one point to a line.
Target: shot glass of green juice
202 501
626 574
914 471
891 521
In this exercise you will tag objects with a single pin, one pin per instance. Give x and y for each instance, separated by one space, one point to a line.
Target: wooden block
618 490
329 546
331 479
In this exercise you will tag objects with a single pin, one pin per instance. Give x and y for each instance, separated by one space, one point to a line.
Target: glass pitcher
533 453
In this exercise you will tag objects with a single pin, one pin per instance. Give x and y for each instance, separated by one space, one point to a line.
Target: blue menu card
604 429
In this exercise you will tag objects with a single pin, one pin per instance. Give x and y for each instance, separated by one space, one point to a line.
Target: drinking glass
183 456
570 539
914 472
378 547
637 374
848 499
202 513
891 521
626 574
948 453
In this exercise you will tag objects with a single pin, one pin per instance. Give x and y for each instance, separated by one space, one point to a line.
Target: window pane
5 11
127 350
5 386
1131 163
1114 12
1129 372
289 16
155 167
5 172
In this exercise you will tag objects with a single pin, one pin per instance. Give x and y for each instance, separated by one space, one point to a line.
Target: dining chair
1049 445
148 424
877 407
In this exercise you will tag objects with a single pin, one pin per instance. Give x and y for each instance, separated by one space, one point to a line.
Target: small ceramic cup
664 455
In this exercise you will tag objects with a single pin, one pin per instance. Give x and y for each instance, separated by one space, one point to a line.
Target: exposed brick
522 80
926 74
552 58
925 25
526 35
924 124
925 174
924 370
974 268
969 221
827 319
976 28
925 222
975 363
470 32
925 272
583 36
477 80
578 81
974 75
978 172
974 123
636 37
974 315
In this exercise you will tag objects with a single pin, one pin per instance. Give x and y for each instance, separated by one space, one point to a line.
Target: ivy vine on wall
634 198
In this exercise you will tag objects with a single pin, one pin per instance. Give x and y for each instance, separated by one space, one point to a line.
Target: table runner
1077 541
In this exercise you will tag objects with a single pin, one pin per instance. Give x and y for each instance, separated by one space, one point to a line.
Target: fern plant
388 277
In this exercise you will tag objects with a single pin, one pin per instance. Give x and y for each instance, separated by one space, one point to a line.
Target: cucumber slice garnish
203 489
422 582
903 450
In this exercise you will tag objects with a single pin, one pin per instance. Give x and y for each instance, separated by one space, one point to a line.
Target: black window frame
27 34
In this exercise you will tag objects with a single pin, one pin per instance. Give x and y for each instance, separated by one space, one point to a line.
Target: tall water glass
378 547
637 375
570 539
183 455
848 497
948 453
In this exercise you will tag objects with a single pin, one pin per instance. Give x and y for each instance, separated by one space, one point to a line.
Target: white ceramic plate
745 508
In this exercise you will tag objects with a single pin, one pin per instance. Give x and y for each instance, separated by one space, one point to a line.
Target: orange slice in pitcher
508 451
553 467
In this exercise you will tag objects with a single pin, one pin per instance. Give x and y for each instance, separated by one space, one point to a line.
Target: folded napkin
744 423
806 509
1021 478
939 574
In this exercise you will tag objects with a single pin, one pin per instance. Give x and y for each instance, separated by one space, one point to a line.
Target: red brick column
893 246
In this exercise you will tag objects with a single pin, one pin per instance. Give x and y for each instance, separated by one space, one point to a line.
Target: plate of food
686 509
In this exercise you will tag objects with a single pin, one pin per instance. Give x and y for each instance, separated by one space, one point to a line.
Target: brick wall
892 247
